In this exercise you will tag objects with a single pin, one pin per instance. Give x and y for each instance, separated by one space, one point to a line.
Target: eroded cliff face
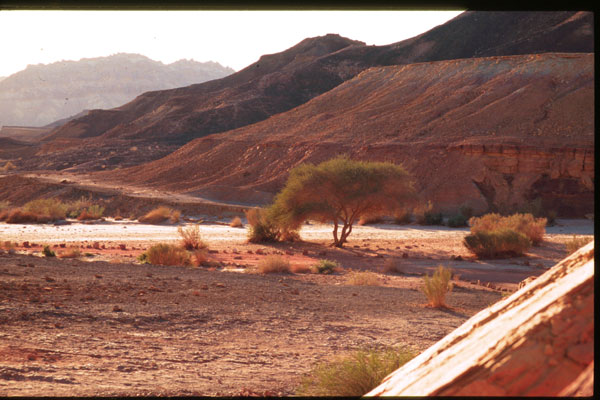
537 342
512 175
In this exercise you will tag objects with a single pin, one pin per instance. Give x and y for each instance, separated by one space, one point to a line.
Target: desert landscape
168 247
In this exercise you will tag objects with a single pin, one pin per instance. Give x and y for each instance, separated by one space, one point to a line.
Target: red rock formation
537 342
493 132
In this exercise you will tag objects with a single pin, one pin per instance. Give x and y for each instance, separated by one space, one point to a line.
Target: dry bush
167 254
436 287
369 220
46 210
391 265
300 269
190 237
236 223
200 258
500 243
4 204
9 166
576 243
362 278
354 375
533 228
70 253
273 264
402 217
92 212
18 216
160 215
261 228
326 267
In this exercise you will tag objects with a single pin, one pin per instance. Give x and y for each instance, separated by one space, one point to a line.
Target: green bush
354 375
46 210
326 267
262 229
500 243
433 218
436 287
456 221
47 252
533 228
92 212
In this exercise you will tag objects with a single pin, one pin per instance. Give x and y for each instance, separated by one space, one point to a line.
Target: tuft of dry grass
362 278
576 243
273 264
437 286
300 269
190 238
236 223
392 266
167 254
160 215
200 258
70 253
9 166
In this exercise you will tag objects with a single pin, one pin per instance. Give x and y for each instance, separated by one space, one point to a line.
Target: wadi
313 222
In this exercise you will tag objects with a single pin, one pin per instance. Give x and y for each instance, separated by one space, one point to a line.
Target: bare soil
106 325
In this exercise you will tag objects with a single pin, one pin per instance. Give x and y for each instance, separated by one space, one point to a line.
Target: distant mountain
282 81
41 94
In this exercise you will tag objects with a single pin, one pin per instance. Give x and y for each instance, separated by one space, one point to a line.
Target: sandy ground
104 325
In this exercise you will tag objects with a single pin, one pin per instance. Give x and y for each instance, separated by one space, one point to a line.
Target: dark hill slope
279 82
496 132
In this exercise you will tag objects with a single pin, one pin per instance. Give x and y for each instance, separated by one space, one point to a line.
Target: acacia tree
341 191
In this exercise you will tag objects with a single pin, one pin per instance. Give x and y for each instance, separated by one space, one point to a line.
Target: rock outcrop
41 94
537 342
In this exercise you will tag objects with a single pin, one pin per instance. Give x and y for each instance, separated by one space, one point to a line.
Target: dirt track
73 327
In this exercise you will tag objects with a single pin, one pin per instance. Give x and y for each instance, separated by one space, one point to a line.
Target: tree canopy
341 191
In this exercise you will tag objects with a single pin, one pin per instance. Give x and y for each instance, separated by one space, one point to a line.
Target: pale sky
232 38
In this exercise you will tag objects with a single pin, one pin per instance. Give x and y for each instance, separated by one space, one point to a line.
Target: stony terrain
105 325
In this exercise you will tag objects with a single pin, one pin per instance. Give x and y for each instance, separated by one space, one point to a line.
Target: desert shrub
354 375
4 204
533 228
92 212
402 217
167 254
18 216
262 229
431 218
70 253
46 209
456 221
300 269
160 215
362 278
326 267
499 243
391 265
190 237
200 257
576 243
466 211
436 286
273 264
236 222
47 252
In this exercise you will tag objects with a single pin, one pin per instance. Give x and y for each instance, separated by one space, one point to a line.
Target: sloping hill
496 131
41 94
279 82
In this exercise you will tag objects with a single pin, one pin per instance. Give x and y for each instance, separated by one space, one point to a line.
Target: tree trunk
335 235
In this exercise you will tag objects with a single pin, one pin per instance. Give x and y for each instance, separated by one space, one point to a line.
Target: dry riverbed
106 325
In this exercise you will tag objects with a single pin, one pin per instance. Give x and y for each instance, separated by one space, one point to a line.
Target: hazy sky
232 38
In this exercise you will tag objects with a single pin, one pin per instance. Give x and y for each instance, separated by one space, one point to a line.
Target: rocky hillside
279 82
41 94
496 132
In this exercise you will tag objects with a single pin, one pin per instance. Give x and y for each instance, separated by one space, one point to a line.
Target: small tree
341 191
